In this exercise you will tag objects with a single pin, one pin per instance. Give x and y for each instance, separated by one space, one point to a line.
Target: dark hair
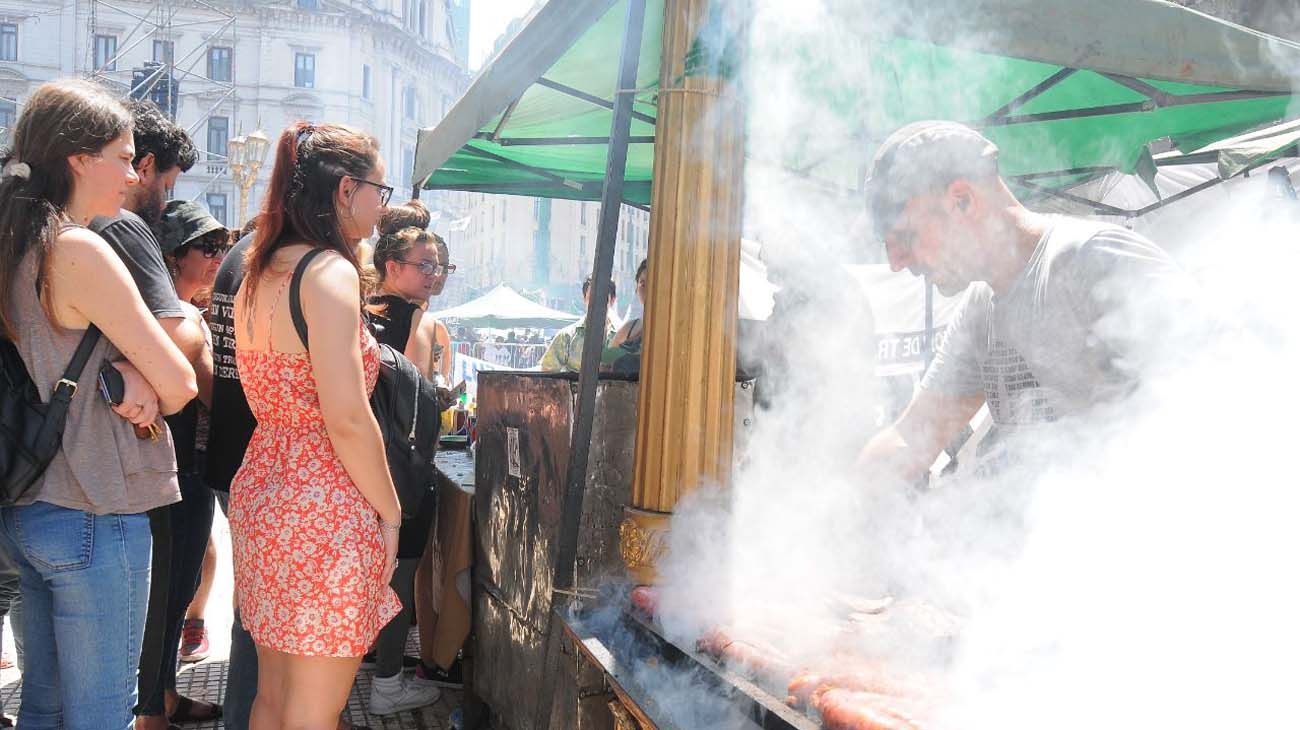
238 234
400 228
156 134
310 160
586 286
61 119
641 269
411 214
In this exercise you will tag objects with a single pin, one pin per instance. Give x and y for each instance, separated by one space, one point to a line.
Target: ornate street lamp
245 155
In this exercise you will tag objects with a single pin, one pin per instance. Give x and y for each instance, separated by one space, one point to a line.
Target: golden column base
642 541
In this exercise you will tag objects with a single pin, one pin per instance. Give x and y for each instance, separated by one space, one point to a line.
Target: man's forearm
889 457
908 447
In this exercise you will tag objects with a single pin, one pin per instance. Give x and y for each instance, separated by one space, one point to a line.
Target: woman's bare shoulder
330 272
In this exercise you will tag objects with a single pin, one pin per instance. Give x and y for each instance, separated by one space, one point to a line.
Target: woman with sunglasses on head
80 535
314 516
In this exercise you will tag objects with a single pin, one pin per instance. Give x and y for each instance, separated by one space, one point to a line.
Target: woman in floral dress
313 512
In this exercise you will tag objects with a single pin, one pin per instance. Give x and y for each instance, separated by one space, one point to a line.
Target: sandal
188 710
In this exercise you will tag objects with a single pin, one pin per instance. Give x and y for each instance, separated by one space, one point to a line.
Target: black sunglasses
385 191
428 268
211 249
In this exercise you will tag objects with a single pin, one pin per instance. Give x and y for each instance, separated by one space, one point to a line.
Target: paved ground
206 680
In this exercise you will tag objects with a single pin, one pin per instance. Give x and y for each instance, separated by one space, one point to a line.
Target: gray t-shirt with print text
1093 308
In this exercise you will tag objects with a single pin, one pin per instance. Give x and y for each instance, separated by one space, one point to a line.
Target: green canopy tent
1068 90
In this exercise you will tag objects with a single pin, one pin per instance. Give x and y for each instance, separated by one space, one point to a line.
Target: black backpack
405 404
31 431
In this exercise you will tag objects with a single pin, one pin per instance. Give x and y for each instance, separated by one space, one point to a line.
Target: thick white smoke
1144 579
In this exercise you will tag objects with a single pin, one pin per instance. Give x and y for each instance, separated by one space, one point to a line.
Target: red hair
310 160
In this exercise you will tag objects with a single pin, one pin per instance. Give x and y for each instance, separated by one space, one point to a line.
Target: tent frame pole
556 141
527 168
592 99
611 203
1101 208
1051 81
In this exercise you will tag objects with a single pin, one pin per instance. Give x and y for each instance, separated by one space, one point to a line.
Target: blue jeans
241 677
85 585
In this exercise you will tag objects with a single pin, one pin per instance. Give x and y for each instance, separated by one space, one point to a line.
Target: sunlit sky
488 18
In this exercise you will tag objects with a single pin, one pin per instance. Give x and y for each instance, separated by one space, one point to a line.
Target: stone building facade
387 66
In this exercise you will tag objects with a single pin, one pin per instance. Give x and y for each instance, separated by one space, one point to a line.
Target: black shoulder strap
68 384
295 294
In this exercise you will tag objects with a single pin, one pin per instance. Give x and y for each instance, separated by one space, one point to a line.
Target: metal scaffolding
170 78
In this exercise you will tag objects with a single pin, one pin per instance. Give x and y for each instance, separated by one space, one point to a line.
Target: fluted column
688 361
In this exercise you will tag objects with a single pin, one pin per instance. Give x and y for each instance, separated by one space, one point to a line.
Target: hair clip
14 168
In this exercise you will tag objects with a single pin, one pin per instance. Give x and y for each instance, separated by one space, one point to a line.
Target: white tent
504 307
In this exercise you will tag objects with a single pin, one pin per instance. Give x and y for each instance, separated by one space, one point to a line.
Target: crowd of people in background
221 377
225 376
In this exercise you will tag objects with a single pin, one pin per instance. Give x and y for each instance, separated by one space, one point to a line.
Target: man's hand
139 401
907 448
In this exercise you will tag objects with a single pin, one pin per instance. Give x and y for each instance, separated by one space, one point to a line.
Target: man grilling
1061 314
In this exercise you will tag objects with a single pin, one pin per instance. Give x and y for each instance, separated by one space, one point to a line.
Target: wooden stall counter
444 622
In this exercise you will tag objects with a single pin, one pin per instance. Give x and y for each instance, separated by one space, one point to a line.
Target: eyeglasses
212 249
385 191
429 268
209 249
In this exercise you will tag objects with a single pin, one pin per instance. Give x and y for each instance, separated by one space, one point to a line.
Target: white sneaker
395 694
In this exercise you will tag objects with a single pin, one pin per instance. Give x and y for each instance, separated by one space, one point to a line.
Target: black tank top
392 320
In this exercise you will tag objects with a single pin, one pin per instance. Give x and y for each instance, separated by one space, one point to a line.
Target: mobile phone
111 385
459 389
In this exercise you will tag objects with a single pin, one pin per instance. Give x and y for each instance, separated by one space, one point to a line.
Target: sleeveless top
103 468
392 323
392 326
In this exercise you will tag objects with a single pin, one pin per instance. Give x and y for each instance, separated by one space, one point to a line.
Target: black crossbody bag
31 431
405 405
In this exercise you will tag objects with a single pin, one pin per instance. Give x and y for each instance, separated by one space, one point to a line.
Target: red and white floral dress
308 552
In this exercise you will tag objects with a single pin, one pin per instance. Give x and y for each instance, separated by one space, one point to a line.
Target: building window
8 42
217 207
304 70
218 136
409 102
8 117
308 4
164 51
365 81
219 63
105 53
408 163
